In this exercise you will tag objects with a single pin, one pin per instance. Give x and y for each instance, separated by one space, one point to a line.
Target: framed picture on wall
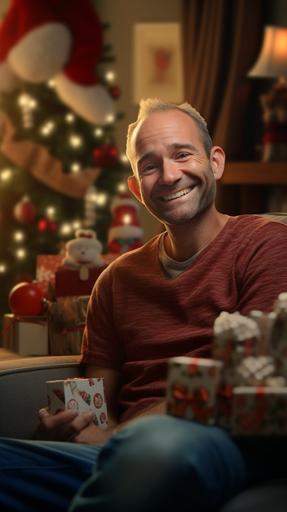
158 61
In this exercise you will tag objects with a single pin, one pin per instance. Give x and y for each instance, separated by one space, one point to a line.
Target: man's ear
134 188
217 161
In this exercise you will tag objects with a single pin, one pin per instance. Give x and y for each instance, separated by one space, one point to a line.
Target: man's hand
93 435
63 426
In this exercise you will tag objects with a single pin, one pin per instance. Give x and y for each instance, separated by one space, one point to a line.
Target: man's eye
148 168
182 155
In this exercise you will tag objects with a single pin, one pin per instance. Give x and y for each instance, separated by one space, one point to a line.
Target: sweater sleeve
262 268
101 345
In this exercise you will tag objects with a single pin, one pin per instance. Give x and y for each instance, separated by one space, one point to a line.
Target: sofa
23 393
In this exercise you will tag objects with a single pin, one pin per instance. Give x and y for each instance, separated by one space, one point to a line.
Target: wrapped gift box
81 395
76 281
46 267
259 410
192 384
66 321
28 336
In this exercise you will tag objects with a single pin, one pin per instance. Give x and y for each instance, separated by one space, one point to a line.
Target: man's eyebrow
146 156
171 147
181 145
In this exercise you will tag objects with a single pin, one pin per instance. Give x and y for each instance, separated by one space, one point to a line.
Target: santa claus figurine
125 232
59 40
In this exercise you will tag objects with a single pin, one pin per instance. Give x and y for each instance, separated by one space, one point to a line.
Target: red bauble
43 225
26 299
53 226
115 91
105 155
25 211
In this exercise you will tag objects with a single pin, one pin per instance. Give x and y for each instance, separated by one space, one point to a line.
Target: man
151 304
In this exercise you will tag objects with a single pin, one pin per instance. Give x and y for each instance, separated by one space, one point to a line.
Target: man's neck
183 241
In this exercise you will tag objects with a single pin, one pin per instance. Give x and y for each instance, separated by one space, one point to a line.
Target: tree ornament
115 91
43 225
24 211
105 155
125 232
26 299
59 40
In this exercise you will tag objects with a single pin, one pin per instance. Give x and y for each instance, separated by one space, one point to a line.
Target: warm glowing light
122 187
3 268
75 167
124 158
110 118
47 128
75 141
127 218
27 102
101 199
98 132
51 83
66 229
6 175
51 212
70 118
77 224
21 254
19 236
110 76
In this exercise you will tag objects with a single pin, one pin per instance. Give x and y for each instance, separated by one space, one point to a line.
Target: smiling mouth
176 195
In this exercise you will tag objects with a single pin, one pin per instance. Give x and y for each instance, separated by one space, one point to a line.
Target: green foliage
29 127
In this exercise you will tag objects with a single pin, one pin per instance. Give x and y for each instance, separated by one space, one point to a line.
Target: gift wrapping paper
68 281
46 267
191 388
28 335
80 395
259 410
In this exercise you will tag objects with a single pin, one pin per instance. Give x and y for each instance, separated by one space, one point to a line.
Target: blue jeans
156 463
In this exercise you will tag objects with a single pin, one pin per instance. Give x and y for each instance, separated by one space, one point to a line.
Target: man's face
174 173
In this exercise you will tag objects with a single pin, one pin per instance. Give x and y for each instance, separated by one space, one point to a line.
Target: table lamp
272 63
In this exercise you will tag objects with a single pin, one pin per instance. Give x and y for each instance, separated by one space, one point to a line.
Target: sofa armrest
23 390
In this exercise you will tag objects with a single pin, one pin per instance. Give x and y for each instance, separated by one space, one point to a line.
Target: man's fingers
56 420
81 422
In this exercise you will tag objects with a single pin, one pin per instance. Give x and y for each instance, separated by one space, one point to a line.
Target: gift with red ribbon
191 388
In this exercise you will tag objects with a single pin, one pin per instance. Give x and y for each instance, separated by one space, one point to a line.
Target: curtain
221 40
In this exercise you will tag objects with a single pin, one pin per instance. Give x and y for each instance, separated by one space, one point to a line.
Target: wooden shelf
255 173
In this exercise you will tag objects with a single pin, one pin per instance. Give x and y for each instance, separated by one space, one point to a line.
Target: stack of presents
243 387
66 281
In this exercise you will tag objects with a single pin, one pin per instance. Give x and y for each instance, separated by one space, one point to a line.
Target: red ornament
115 91
26 299
105 155
25 211
43 225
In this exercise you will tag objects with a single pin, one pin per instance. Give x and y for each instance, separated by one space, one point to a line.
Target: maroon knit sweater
138 318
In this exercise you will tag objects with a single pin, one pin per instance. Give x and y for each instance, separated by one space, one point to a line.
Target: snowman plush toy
84 252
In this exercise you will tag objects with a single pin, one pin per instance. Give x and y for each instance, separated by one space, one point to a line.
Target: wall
121 16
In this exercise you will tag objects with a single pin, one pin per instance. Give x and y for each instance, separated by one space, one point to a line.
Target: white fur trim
93 103
8 79
41 53
125 232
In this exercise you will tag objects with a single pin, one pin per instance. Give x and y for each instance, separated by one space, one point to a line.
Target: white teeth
177 194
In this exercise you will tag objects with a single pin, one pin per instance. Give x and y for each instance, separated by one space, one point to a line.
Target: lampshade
272 60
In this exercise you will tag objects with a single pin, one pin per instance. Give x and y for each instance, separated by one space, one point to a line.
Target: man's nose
170 172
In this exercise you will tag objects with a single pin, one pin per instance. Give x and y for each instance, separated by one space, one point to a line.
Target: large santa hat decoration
125 232
59 40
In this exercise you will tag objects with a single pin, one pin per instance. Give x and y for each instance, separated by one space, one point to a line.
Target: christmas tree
58 172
